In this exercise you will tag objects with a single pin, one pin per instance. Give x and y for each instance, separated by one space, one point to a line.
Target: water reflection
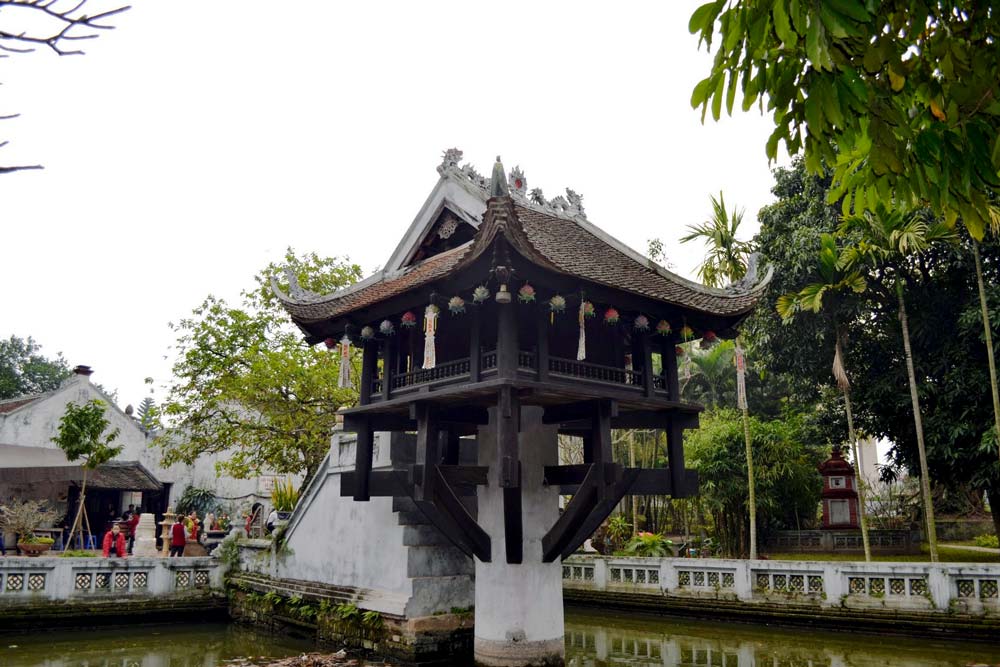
600 640
205 645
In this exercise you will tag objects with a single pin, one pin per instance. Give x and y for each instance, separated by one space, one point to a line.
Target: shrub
649 544
22 518
284 495
987 540
77 553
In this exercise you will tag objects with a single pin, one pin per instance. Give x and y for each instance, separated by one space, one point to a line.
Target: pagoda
510 318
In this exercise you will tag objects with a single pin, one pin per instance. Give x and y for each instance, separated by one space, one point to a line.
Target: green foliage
148 414
82 434
988 541
372 620
229 553
284 495
899 98
726 261
77 553
23 370
785 460
652 545
200 501
347 612
23 517
618 531
710 374
246 384
271 599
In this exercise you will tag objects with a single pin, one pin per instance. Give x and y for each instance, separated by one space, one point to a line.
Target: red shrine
840 493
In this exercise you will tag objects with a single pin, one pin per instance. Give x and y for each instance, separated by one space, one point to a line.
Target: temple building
502 320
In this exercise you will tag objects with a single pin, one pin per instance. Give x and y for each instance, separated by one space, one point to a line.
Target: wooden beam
382 484
569 522
380 422
572 474
363 450
451 447
475 346
507 341
470 532
513 527
567 412
600 512
669 357
428 452
542 350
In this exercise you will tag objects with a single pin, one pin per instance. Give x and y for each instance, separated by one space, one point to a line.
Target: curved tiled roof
568 245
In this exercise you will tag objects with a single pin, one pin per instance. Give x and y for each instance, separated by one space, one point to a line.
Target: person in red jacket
178 538
114 542
133 522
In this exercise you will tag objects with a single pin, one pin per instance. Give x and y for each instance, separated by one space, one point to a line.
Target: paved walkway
969 547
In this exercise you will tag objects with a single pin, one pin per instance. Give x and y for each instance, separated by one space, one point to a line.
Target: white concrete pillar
145 536
519 608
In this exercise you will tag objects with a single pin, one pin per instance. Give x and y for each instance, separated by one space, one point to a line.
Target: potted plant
284 497
22 519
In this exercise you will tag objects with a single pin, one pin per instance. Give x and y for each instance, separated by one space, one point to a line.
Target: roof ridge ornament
498 182
296 293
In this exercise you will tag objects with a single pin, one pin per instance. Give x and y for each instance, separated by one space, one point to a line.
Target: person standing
114 543
133 523
272 519
178 538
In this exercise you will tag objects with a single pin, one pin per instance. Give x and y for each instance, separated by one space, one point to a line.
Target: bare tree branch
53 23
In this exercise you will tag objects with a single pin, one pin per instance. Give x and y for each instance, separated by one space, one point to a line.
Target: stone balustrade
26 581
952 588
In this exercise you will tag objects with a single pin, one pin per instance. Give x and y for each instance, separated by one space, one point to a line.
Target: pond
592 640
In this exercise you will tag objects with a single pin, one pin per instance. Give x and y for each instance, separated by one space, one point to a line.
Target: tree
24 370
786 479
727 262
712 381
899 98
82 436
888 239
28 24
833 282
246 385
148 414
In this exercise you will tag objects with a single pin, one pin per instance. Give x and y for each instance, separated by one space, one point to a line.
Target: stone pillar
145 536
519 608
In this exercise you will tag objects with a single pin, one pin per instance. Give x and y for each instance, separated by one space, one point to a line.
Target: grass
946 553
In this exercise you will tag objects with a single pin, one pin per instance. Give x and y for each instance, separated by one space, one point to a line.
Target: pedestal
519 608
145 536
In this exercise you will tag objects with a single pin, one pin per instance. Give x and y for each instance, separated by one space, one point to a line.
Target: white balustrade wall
31 580
956 587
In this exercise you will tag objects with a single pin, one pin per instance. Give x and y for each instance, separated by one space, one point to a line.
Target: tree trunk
988 333
993 494
79 510
635 499
925 478
862 511
751 495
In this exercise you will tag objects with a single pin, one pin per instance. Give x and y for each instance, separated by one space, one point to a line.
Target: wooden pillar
646 351
369 363
475 346
508 458
669 354
507 343
675 455
416 360
387 367
450 446
542 351
601 448
363 451
428 451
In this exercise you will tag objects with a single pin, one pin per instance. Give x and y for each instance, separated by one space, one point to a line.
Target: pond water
593 639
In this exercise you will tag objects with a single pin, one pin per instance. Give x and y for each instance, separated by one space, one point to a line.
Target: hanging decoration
386 328
611 316
367 333
641 323
344 375
430 328
480 294
663 328
588 309
679 351
581 346
330 343
710 337
408 320
526 294
456 305
557 304
687 333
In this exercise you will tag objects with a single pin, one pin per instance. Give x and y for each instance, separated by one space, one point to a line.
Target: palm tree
710 382
833 283
727 262
727 256
888 238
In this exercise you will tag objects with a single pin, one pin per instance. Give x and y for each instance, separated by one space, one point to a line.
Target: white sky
196 141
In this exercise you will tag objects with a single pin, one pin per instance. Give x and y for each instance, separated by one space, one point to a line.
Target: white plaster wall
341 542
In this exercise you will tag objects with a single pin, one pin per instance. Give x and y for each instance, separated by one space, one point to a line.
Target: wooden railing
587 371
442 371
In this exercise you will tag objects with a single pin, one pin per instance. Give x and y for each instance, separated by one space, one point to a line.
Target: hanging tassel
430 328
344 378
581 347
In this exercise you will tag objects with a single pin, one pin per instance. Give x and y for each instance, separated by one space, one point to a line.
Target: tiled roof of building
12 404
